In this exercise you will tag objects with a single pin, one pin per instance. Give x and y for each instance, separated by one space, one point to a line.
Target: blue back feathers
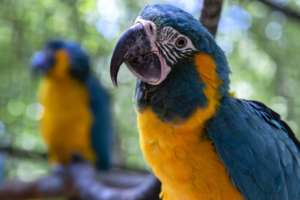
80 61
101 133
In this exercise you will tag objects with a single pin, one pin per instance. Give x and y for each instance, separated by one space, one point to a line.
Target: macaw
200 141
76 119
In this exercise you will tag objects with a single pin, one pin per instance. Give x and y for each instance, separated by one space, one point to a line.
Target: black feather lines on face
173 55
165 43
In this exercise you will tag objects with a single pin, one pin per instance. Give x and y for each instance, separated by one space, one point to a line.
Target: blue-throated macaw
76 118
200 141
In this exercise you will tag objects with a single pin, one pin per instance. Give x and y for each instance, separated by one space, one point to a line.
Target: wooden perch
211 14
81 181
49 186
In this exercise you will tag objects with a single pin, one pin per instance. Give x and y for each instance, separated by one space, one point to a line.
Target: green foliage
262 47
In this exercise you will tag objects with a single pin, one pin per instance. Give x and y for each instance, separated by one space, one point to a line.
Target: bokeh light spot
15 107
242 89
235 19
273 30
34 111
279 104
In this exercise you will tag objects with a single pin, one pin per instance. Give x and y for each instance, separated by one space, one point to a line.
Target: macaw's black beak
137 50
40 64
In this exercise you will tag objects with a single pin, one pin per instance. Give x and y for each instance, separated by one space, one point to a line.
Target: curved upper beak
133 44
39 63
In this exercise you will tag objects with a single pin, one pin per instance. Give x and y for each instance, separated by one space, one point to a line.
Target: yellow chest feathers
67 120
179 153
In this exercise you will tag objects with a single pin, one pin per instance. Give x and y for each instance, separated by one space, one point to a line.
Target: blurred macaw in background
76 120
201 142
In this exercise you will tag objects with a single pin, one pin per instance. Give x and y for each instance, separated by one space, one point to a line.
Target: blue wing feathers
274 119
259 150
101 133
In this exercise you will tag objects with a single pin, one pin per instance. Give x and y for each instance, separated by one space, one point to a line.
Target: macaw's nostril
151 28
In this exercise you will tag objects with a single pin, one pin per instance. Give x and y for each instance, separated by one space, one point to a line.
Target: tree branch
22 153
293 14
211 14
80 180
49 186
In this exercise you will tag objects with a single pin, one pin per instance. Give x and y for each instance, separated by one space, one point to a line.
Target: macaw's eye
181 42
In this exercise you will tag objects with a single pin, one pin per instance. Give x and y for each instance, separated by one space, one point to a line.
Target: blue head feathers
79 64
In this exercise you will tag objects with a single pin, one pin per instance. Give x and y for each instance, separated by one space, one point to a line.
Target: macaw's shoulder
259 150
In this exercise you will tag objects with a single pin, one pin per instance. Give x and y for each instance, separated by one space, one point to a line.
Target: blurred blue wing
258 149
101 135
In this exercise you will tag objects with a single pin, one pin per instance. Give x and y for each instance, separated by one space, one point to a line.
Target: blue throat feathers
175 98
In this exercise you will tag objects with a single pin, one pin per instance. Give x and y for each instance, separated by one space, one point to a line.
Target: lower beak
135 49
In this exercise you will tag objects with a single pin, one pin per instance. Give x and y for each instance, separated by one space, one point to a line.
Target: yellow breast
66 122
181 156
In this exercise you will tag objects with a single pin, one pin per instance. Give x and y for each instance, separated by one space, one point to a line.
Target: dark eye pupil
181 42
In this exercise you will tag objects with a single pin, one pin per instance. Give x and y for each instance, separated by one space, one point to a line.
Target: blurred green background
262 46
